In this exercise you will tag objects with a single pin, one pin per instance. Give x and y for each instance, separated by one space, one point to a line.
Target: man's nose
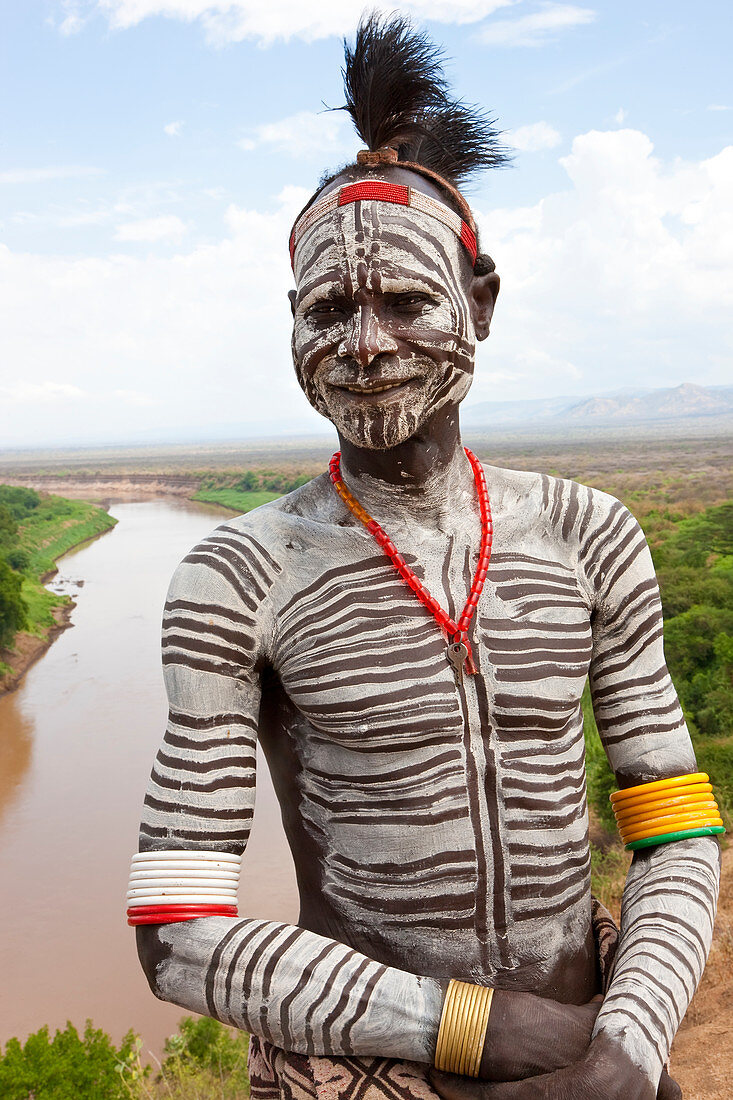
367 338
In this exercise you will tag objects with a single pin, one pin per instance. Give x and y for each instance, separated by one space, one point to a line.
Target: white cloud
719 107
235 20
74 18
33 393
167 227
41 175
534 137
133 397
152 340
623 278
537 27
620 116
173 129
305 134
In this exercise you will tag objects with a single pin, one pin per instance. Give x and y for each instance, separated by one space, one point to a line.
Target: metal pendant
456 654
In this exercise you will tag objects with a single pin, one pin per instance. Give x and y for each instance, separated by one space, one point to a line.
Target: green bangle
665 838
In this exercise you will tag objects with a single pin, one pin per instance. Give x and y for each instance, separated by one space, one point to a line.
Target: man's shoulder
560 507
271 532
544 491
244 557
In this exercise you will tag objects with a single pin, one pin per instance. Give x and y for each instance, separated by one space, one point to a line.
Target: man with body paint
435 805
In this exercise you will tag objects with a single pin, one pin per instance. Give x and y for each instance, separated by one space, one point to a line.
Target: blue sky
156 151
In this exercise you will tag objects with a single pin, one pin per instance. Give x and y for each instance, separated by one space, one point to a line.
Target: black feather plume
397 95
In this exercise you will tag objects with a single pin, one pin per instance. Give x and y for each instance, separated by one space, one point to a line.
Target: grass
608 870
50 531
46 534
55 527
41 605
238 500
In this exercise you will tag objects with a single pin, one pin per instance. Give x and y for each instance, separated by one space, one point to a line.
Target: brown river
77 741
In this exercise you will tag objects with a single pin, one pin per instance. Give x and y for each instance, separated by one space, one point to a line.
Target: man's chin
376 429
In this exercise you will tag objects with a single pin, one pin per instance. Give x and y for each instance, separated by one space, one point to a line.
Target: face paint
383 336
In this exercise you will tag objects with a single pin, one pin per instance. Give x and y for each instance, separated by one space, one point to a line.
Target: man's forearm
666 930
301 991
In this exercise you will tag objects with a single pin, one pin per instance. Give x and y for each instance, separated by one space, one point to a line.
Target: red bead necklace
459 648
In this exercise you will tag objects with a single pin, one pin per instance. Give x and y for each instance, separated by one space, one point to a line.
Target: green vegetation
67 1066
236 499
249 490
608 869
57 525
203 1061
599 777
35 530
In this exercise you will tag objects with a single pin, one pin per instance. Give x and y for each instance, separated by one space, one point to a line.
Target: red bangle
170 914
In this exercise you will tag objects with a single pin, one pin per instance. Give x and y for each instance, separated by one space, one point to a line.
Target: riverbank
51 529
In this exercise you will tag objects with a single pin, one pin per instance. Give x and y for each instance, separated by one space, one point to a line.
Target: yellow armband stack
666 810
463 1026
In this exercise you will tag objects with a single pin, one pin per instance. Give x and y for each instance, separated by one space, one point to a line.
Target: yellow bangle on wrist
463 1026
666 810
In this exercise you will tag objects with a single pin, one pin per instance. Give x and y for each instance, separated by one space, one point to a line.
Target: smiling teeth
372 389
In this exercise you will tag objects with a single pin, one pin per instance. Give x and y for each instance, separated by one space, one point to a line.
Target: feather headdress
397 96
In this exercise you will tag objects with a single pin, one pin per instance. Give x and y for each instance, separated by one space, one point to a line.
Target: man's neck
427 478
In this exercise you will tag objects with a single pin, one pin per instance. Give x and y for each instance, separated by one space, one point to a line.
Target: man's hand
603 1073
529 1035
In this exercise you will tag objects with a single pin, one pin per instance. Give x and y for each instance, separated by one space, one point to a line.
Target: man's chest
366 664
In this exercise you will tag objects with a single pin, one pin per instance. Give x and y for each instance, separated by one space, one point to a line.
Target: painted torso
435 827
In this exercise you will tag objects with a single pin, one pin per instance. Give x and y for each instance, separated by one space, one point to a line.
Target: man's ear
292 296
482 295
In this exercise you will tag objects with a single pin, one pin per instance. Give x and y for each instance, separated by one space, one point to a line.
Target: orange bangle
672 825
685 806
696 791
659 785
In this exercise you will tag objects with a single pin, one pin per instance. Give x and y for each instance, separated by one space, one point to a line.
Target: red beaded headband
381 191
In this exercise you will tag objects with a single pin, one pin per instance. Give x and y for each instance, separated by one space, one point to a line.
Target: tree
68 1067
8 528
13 608
19 502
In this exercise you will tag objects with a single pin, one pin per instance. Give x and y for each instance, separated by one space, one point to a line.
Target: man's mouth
375 388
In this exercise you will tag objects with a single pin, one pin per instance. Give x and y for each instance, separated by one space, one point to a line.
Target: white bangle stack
182 884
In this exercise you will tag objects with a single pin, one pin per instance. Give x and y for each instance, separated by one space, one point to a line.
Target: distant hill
622 406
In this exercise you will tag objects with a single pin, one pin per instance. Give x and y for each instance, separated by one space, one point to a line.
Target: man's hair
398 98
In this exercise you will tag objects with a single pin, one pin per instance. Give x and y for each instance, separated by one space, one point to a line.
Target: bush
68 1067
13 610
8 528
18 559
202 1055
19 502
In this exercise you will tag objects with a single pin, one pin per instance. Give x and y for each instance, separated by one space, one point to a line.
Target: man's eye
324 311
412 303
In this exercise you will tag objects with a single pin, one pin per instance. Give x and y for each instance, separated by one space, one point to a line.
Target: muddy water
77 741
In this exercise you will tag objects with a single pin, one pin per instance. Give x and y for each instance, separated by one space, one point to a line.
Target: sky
153 154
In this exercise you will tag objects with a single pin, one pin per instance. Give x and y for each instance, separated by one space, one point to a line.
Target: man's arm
301 991
671 890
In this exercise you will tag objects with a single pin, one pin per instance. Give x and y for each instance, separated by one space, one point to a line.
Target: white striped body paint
438 830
